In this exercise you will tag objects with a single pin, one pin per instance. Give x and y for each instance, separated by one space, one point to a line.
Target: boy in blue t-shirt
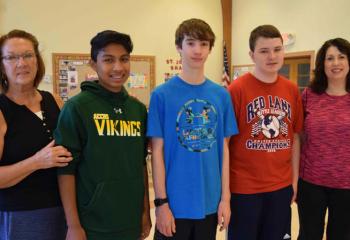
190 122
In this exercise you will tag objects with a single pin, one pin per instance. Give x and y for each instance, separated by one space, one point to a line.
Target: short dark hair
104 38
196 28
265 31
16 33
319 83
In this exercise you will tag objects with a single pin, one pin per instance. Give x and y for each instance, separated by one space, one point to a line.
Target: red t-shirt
268 115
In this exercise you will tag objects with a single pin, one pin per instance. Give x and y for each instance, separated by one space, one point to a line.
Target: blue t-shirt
193 121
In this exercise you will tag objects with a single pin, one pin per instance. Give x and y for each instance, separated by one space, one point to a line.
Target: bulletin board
239 70
70 69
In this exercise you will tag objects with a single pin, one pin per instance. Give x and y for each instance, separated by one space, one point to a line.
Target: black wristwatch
160 201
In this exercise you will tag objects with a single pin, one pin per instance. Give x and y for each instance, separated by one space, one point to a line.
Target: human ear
92 64
178 48
251 54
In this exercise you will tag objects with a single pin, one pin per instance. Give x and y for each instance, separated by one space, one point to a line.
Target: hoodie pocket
115 206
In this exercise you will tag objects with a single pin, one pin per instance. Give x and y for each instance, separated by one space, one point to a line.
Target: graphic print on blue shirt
196 125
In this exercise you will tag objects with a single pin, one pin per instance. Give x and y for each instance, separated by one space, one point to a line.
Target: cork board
70 69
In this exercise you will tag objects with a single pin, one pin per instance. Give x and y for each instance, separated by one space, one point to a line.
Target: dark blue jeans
43 224
261 216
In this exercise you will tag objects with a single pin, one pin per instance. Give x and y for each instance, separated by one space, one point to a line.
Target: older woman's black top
26 134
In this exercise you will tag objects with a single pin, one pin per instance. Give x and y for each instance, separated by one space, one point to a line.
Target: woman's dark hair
30 37
319 83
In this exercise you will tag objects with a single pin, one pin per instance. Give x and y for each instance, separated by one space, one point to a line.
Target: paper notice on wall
72 78
137 80
91 77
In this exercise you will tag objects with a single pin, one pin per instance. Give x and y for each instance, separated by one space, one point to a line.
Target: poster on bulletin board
70 69
239 70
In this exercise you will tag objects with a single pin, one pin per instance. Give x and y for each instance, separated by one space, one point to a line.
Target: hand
224 214
76 233
52 156
165 221
295 192
146 224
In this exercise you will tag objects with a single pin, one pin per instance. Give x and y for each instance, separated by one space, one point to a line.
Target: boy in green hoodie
104 190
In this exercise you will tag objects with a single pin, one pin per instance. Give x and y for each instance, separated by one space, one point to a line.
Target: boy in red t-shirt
264 157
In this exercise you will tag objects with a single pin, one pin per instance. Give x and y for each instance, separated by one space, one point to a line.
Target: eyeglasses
15 57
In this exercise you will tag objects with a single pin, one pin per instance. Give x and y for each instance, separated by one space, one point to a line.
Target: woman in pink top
325 157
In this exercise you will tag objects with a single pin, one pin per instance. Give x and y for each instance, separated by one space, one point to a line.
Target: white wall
313 22
68 25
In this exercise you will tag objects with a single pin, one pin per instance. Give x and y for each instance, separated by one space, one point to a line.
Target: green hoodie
105 132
